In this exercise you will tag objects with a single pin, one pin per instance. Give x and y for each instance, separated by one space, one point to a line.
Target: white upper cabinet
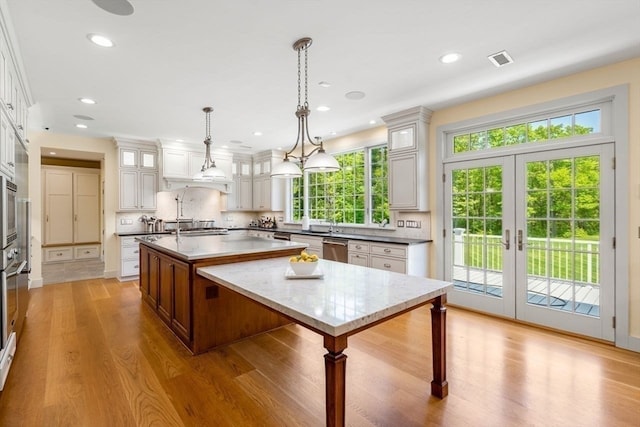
14 99
138 175
408 159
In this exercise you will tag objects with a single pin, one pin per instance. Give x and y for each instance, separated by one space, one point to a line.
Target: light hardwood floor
92 354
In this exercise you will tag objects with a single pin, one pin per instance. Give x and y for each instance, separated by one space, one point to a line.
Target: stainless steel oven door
9 295
8 211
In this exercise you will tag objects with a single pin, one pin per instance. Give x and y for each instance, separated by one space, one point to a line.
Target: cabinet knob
11 164
136 266
9 106
358 247
387 265
20 127
387 250
87 252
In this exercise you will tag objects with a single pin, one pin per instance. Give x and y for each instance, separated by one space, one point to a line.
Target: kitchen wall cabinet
268 193
7 147
167 291
72 206
181 161
14 99
241 196
408 159
138 178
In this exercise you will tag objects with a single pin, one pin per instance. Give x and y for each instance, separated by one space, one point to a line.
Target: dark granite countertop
363 237
141 233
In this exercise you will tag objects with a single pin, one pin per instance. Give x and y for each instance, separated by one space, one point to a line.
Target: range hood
173 184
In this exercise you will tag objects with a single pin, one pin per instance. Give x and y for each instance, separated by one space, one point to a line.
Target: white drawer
58 254
128 241
399 251
359 259
130 252
130 268
358 246
389 264
86 252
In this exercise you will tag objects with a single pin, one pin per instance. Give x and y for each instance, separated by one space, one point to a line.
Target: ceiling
174 57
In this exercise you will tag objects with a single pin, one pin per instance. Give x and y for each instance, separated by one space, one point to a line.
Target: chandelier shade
209 171
317 160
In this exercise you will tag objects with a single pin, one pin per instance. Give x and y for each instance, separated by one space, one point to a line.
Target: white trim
619 129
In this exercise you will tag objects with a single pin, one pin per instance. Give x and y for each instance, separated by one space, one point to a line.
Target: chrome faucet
179 213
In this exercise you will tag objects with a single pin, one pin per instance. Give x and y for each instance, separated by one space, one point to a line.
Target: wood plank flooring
92 354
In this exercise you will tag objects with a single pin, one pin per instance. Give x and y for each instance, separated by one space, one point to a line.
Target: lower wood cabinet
165 287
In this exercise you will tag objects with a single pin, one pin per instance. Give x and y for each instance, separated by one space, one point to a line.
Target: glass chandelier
209 171
317 160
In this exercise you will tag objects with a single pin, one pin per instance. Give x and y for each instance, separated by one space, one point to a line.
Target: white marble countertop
348 297
190 247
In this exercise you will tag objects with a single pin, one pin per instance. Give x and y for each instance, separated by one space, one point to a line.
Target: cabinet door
175 164
165 290
148 190
7 153
181 321
144 271
128 158
58 207
86 200
128 189
403 185
402 138
154 280
148 160
262 193
245 193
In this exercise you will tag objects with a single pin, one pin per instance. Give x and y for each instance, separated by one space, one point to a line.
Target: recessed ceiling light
372 122
179 140
82 117
225 146
450 57
235 141
87 101
52 153
100 40
333 133
81 126
501 58
323 108
354 95
324 84
257 133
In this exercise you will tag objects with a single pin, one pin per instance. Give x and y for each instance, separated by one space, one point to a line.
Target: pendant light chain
306 77
208 125
299 93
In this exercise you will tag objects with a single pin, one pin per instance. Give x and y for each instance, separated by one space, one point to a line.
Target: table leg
335 366
439 385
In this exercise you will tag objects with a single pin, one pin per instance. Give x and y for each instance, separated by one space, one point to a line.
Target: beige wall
627 72
103 148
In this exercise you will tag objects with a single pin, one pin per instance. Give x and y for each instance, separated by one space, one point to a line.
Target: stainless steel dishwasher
335 249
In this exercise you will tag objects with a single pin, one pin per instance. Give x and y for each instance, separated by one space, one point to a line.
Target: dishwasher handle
335 242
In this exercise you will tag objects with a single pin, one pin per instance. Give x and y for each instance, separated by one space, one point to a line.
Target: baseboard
110 274
633 344
35 283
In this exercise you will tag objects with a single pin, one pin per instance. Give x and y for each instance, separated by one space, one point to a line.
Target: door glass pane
563 234
477 230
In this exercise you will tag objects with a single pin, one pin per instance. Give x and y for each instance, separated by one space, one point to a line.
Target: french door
532 237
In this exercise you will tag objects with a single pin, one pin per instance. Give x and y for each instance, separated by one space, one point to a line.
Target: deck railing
563 259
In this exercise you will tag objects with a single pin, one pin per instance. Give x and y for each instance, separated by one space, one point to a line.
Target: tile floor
58 272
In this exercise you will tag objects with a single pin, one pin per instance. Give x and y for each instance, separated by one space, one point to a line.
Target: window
356 194
538 130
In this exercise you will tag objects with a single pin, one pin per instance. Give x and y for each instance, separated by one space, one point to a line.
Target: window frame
367 152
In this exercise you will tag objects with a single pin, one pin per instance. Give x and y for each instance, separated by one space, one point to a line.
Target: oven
10 268
8 212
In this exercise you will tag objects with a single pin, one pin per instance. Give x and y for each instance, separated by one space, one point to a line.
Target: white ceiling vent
501 58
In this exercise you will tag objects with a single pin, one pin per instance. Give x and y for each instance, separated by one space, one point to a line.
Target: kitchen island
347 299
200 313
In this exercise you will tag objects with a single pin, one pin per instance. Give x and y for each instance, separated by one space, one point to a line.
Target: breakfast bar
345 300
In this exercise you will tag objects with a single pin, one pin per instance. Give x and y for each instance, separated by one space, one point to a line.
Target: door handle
507 238
519 240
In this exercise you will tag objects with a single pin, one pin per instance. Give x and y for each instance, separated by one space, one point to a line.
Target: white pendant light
209 171
317 160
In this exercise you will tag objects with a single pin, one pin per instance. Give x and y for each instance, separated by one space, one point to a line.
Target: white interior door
531 237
